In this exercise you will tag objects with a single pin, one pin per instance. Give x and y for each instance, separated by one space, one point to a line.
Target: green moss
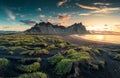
102 64
30 59
52 46
33 75
29 68
117 55
55 59
43 44
116 50
85 48
3 62
63 63
11 53
79 55
63 67
3 48
70 51
20 48
25 52
35 52
61 45
59 41
96 51
94 66
39 52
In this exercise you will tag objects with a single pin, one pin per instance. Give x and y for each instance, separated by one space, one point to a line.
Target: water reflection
103 38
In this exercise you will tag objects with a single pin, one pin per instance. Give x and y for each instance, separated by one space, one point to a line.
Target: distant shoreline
84 42
79 36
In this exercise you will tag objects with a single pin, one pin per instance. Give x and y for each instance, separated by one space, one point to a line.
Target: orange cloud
63 17
41 16
61 3
106 10
101 9
87 6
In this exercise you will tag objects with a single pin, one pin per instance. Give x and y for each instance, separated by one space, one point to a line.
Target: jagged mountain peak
49 28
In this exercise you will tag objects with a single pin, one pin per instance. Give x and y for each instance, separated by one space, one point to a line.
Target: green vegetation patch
33 75
3 48
38 59
70 51
29 68
3 62
85 48
52 46
63 67
63 62
35 52
101 63
117 56
79 55
56 58
96 51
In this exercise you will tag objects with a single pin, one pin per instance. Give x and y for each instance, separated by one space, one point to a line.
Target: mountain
49 28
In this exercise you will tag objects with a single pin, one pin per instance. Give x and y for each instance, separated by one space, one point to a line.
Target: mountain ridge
49 28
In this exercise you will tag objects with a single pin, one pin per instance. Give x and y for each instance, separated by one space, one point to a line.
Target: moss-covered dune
37 56
22 55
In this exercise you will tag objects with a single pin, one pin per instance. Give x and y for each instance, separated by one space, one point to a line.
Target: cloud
87 6
85 14
10 14
118 25
106 10
41 16
3 27
53 22
101 3
6 27
29 22
22 15
39 9
63 17
61 3
101 9
48 20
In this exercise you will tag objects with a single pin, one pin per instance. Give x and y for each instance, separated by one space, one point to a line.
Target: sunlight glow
100 28
100 37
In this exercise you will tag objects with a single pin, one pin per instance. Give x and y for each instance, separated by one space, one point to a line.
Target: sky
100 15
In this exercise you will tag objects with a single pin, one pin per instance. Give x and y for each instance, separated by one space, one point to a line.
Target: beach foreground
109 51
51 56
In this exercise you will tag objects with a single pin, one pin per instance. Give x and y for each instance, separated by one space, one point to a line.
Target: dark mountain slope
48 28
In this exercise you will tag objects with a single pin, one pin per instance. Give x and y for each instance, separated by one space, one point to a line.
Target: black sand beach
109 51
